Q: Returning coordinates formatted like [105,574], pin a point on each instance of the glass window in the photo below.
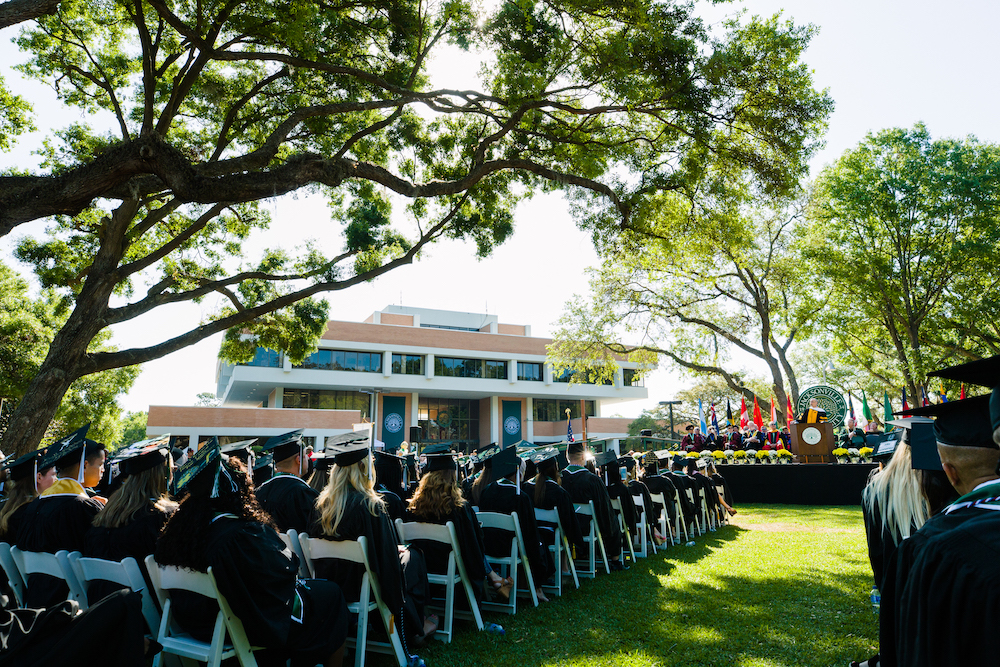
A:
[449,419]
[631,378]
[552,410]
[496,370]
[407,364]
[343,360]
[266,358]
[531,372]
[459,368]
[322,399]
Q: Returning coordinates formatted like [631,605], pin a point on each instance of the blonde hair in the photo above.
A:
[139,491]
[896,490]
[19,493]
[332,501]
[437,495]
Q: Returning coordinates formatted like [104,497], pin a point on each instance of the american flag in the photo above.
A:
[569,430]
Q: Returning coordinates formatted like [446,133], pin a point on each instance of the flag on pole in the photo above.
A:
[729,413]
[887,406]
[715,420]
[942,394]
[791,413]
[961,394]
[774,410]
[850,405]
[865,410]
[569,429]
[906,406]
[701,419]
[744,417]
[923,397]
[758,419]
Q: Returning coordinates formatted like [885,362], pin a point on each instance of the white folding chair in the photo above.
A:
[645,538]
[14,577]
[696,523]
[454,573]
[594,540]
[667,529]
[723,514]
[559,548]
[518,556]
[369,599]
[616,505]
[227,625]
[291,540]
[55,565]
[125,573]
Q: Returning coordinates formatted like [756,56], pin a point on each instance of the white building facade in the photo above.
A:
[419,375]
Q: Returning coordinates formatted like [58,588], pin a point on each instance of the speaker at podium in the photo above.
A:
[813,443]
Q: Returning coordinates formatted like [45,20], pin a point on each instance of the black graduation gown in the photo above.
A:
[707,488]
[637,488]
[719,479]
[554,497]
[584,486]
[502,497]
[950,604]
[662,484]
[617,490]
[258,577]
[51,523]
[394,504]
[136,539]
[683,482]
[470,541]
[289,501]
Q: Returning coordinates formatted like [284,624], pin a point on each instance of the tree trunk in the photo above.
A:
[36,409]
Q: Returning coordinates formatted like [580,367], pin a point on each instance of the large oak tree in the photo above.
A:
[219,104]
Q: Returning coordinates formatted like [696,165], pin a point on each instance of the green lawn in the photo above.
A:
[783,586]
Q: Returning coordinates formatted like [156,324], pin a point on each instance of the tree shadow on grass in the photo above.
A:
[666,611]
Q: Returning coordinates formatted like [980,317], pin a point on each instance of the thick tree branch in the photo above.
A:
[19,11]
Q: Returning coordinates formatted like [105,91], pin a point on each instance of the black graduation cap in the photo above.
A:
[542,454]
[206,460]
[348,438]
[504,462]
[628,462]
[605,458]
[284,446]
[983,372]
[349,453]
[484,454]
[143,455]
[964,423]
[60,451]
[22,467]
[918,433]
[439,457]
[265,461]
[243,450]
[883,444]
[575,448]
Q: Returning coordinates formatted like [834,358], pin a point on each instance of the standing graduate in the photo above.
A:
[584,486]
[349,508]
[61,515]
[287,497]
[547,494]
[504,496]
[219,524]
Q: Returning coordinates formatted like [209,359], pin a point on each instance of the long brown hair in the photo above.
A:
[332,501]
[437,495]
[19,493]
[139,492]
[547,469]
[485,479]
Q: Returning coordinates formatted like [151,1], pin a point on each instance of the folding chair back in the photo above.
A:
[666,528]
[560,548]
[369,598]
[125,573]
[55,565]
[13,574]
[696,526]
[643,536]
[723,514]
[454,574]
[616,505]
[227,625]
[518,556]
[594,541]
[291,540]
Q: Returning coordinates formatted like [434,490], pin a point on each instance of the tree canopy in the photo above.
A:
[215,106]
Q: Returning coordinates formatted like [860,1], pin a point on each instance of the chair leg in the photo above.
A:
[361,643]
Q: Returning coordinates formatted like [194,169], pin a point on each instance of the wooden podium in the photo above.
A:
[813,443]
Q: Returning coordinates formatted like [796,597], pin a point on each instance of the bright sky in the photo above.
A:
[887,64]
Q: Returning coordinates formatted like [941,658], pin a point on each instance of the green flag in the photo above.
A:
[865,410]
[888,413]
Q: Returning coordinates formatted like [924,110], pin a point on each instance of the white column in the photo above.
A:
[547,373]
[387,363]
[530,430]
[279,397]
[415,410]
[494,419]
[512,370]
[619,378]
[429,366]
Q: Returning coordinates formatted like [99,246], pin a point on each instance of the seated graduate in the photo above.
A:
[349,508]
[638,488]
[391,480]
[547,494]
[481,475]
[504,496]
[658,484]
[584,486]
[439,500]
[695,468]
[24,482]
[615,477]
[219,524]
[680,479]
[241,451]
[725,498]
[263,470]
[286,496]
[61,515]
[134,515]
[322,462]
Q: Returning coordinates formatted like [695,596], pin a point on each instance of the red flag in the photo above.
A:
[962,395]
[744,419]
[774,410]
[758,420]
[791,413]
[906,406]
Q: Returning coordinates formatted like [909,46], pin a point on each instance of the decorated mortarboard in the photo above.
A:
[701,463]
[243,450]
[649,459]
[964,423]
[60,451]
[265,461]
[504,462]
[484,454]
[627,462]
[348,438]
[349,453]
[439,457]
[284,446]
[22,467]
[883,444]
[206,461]
[983,372]
[918,433]
[143,455]
[606,458]
[663,454]
[542,454]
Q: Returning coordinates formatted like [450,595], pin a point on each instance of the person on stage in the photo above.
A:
[813,414]
[852,435]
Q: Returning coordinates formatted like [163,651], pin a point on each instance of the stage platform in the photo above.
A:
[798,483]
